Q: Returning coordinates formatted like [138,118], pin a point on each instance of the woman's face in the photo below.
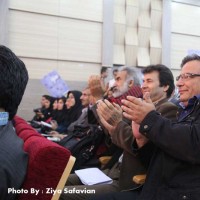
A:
[47,103]
[70,101]
[43,99]
[60,104]
[55,105]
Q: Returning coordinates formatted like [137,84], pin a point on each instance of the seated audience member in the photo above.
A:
[73,111]
[126,78]
[13,159]
[126,83]
[55,104]
[84,118]
[60,111]
[45,113]
[172,148]
[38,111]
[111,83]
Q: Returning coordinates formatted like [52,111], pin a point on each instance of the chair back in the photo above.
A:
[47,162]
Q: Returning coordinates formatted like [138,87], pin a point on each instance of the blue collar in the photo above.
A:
[4,118]
[191,101]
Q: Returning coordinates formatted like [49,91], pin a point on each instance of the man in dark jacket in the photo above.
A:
[172,149]
[13,159]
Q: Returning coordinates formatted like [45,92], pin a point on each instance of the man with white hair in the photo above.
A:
[127,82]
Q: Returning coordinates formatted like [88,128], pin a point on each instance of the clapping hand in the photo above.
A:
[110,114]
[136,109]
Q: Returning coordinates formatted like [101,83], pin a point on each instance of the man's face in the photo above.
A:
[85,97]
[191,86]
[151,84]
[121,85]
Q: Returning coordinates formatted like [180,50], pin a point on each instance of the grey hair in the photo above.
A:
[132,74]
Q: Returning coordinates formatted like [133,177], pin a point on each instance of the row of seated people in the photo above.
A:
[167,150]
[76,109]
[125,164]
[88,116]
[127,82]
[58,112]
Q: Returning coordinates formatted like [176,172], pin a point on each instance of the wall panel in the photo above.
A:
[38,6]
[82,9]
[185,18]
[38,68]
[180,47]
[79,40]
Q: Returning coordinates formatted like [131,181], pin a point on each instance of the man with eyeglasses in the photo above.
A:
[174,170]
[174,165]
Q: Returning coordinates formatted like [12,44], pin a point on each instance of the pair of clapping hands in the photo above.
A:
[134,109]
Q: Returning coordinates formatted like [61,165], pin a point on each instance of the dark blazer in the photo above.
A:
[123,137]
[174,170]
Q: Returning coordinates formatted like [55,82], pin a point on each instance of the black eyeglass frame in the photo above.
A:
[188,75]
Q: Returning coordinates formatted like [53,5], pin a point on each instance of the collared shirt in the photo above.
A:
[4,118]
[188,109]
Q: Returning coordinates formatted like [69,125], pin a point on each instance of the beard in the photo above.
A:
[118,91]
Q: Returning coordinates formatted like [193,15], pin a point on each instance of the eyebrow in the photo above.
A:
[148,79]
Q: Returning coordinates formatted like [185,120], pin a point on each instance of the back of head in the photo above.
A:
[13,81]
[165,76]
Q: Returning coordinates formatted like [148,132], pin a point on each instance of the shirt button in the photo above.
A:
[184,197]
[146,126]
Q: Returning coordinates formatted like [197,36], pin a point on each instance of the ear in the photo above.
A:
[165,88]
[131,83]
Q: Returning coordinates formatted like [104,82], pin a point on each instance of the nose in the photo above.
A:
[179,83]
[143,85]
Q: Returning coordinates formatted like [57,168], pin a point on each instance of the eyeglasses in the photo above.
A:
[186,76]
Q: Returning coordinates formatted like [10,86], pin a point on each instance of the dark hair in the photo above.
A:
[114,70]
[189,58]
[103,69]
[13,81]
[46,96]
[165,76]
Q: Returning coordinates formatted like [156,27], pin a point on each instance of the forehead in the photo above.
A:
[122,74]
[86,91]
[154,75]
[191,67]
[71,95]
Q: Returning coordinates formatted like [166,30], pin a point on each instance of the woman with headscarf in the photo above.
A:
[74,110]
[59,111]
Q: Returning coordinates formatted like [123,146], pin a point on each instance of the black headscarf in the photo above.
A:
[59,115]
[75,111]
